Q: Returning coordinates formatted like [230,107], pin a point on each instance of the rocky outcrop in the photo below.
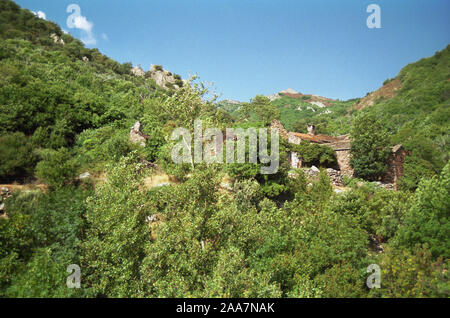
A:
[273,97]
[136,135]
[232,101]
[57,39]
[137,71]
[165,78]
[289,91]
[85,175]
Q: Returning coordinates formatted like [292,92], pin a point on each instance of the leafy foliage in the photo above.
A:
[369,147]
[279,235]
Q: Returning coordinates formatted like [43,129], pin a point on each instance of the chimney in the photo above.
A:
[311,129]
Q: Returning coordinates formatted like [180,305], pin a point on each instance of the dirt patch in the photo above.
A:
[22,187]
[158,179]
[387,91]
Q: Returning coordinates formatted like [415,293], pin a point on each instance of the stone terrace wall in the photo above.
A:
[343,158]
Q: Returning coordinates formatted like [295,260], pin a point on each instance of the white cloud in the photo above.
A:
[77,21]
[40,14]
[82,23]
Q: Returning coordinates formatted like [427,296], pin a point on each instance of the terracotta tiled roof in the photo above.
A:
[337,143]
[340,145]
[315,138]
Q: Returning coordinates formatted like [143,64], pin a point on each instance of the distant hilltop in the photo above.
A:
[312,99]
[231,101]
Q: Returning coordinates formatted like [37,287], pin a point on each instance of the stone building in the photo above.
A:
[395,163]
[340,144]
[341,147]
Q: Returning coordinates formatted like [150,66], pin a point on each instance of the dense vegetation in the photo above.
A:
[280,235]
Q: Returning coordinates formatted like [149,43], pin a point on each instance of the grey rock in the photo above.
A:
[57,39]
[136,136]
[85,175]
[273,97]
[137,71]
[164,78]
[289,91]
[226,186]
[152,218]
[164,184]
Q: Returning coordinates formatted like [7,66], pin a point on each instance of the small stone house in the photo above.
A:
[341,146]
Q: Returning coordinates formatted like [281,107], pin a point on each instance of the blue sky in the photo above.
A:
[250,47]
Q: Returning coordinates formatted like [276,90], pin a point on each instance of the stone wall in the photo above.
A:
[343,158]
[394,170]
[281,130]
[293,139]
[295,160]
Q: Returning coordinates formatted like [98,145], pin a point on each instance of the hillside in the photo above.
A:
[89,179]
[414,106]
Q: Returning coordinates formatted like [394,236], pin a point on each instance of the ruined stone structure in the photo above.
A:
[276,124]
[340,144]
[341,147]
[395,163]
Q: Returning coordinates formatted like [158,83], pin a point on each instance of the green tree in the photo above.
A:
[17,158]
[57,167]
[412,273]
[427,221]
[117,232]
[264,110]
[369,147]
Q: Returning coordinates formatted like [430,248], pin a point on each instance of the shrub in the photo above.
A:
[428,219]
[369,147]
[57,167]
[17,159]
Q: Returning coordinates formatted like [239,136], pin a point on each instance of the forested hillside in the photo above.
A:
[414,107]
[210,230]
